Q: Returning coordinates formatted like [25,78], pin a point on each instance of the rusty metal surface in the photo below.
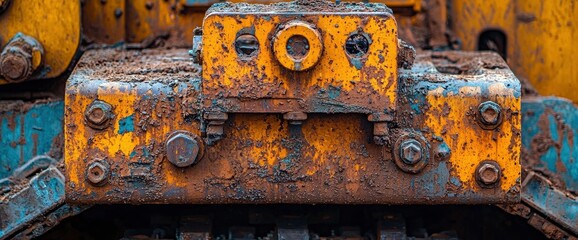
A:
[264,159]
[55,25]
[146,23]
[358,79]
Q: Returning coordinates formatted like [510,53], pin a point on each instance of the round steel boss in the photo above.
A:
[297,46]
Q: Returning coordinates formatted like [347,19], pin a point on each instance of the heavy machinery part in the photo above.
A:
[264,159]
[34,200]
[536,38]
[327,222]
[31,185]
[29,130]
[549,200]
[550,128]
[546,207]
[20,58]
[149,23]
[57,32]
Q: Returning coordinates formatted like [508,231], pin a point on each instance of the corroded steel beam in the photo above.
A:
[288,108]
[329,158]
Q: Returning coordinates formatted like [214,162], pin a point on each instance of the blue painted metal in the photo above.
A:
[198,3]
[540,193]
[31,186]
[550,138]
[44,192]
[28,130]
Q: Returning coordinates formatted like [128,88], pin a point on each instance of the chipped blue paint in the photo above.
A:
[45,191]
[433,182]
[28,133]
[550,201]
[333,92]
[456,181]
[126,125]
[552,123]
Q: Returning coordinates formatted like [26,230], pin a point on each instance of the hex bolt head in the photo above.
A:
[97,172]
[182,149]
[246,45]
[15,65]
[488,174]
[98,114]
[411,152]
[490,113]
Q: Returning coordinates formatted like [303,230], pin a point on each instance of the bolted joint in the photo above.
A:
[20,58]
[490,115]
[97,172]
[197,49]
[184,149]
[295,118]
[98,115]
[411,152]
[488,174]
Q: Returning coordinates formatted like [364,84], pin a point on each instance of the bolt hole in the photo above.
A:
[357,45]
[297,47]
[246,45]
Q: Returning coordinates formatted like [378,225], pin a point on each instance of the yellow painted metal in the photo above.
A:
[471,145]
[144,21]
[329,150]
[370,80]
[103,22]
[55,24]
[541,38]
[293,29]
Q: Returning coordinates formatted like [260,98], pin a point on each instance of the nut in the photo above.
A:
[15,65]
[490,113]
[488,173]
[98,114]
[183,149]
[411,152]
[97,172]
[20,58]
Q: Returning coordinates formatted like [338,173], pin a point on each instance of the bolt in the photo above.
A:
[149,5]
[182,149]
[197,45]
[357,45]
[246,45]
[297,47]
[97,172]
[98,114]
[15,65]
[295,118]
[490,113]
[118,13]
[488,173]
[20,58]
[411,152]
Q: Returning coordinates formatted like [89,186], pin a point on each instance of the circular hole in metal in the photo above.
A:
[297,47]
[246,45]
[357,45]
